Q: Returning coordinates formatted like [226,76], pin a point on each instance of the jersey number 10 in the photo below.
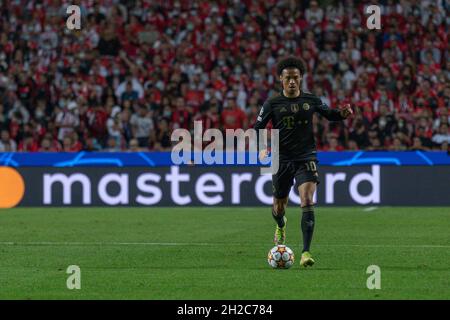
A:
[311,166]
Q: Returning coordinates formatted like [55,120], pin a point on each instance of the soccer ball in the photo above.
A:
[280,257]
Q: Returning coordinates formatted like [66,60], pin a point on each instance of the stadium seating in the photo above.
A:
[139,69]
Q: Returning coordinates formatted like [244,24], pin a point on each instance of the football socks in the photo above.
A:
[307,223]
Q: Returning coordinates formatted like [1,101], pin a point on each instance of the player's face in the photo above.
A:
[291,79]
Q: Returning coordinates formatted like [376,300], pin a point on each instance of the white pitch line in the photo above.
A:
[385,245]
[370,209]
[49,243]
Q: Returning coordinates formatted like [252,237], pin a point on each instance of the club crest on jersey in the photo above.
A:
[294,107]
[306,106]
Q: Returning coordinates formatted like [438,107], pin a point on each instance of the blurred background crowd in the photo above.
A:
[139,69]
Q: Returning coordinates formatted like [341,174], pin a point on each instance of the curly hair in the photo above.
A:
[291,62]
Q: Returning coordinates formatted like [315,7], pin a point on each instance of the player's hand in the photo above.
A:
[346,110]
[263,154]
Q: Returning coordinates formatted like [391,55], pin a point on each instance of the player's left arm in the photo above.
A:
[339,114]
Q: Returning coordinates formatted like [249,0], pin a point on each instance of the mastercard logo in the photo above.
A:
[12,187]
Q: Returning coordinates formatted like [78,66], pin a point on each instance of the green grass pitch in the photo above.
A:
[220,253]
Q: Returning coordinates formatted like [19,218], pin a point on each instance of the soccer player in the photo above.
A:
[292,113]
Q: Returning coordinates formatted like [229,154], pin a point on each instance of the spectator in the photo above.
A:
[114,125]
[109,43]
[136,86]
[46,146]
[374,140]
[397,145]
[67,144]
[19,112]
[425,141]
[28,144]
[91,144]
[333,144]
[54,144]
[129,93]
[359,133]
[66,121]
[142,126]
[352,145]
[232,116]
[125,125]
[6,143]
[97,117]
[417,145]
[163,142]
[134,145]
[76,144]
[443,135]
[180,117]
[112,145]
[444,118]
[3,118]
[314,14]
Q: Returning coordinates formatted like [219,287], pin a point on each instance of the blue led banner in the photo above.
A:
[158,159]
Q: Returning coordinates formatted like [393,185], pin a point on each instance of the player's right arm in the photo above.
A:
[264,116]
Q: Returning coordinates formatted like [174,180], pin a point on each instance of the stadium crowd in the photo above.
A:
[139,69]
